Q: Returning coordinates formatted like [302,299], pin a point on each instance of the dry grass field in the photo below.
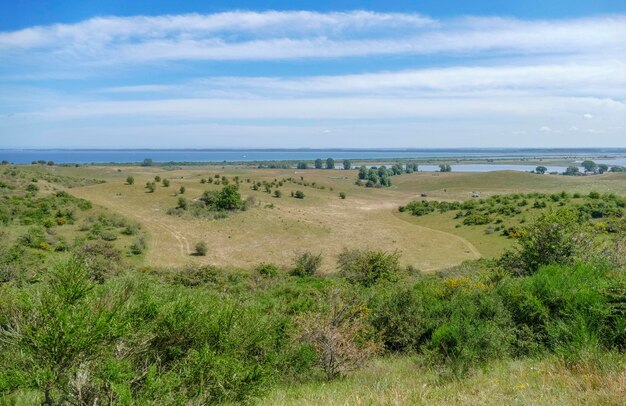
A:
[277,228]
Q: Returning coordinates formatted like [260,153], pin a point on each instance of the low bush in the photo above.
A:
[306,264]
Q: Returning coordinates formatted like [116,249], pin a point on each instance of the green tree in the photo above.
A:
[157,178]
[571,171]
[303,165]
[130,180]
[182,190]
[278,193]
[362,172]
[347,164]
[318,163]
[541,170]
[589,166]
[445,168]
[151,186]
[342,195]
[602,168]
[330,163]
[299,194]
[229,198]
[166,183]
[147,162]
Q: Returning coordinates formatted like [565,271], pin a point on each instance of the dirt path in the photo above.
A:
[183,243]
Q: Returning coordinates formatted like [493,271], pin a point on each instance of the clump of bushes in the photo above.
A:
[306,264]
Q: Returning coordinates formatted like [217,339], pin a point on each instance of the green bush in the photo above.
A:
[267,270]
[201,248]
[366,268]
[306,264]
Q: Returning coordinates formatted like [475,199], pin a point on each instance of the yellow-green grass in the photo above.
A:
[322,222]
[402,381]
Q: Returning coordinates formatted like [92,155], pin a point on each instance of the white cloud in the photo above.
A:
[279,35]
[588,116]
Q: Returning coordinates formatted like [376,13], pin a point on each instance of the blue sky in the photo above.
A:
[198,74]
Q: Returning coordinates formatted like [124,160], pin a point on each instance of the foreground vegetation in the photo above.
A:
[201,335]
[84,321]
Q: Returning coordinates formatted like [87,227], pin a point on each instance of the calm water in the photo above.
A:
[25,156]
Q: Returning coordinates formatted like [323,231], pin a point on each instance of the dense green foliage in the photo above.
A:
[212,203]
[516,209]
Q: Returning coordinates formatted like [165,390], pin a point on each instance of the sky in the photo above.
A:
[340,74]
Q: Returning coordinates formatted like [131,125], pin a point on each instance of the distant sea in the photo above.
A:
[100,156]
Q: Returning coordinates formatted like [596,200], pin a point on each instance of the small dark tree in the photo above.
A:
[342,195]
[347,164]
[602,168]
[151,186]
[182,203]
[182,190]
[362,172]
[571,171]
[541,170]
[445,168]
[299,194]
[201,249]
[130,180]
[166,183]
[278,193]
[318,163]
[157,178]
[330,163]
[147,162]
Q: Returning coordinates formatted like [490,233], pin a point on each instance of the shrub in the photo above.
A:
[201,248]
[166,183]
[138,246]
[100,259]
[366,268]
[267,270]
[342,195]
[555,237]
[299,194]
[182,190]
[130,180]
[306,264]
[338,336]
[278,193]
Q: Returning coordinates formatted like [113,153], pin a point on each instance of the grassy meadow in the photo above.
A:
[106,299]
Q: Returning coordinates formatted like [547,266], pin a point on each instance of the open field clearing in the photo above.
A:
[276,228]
